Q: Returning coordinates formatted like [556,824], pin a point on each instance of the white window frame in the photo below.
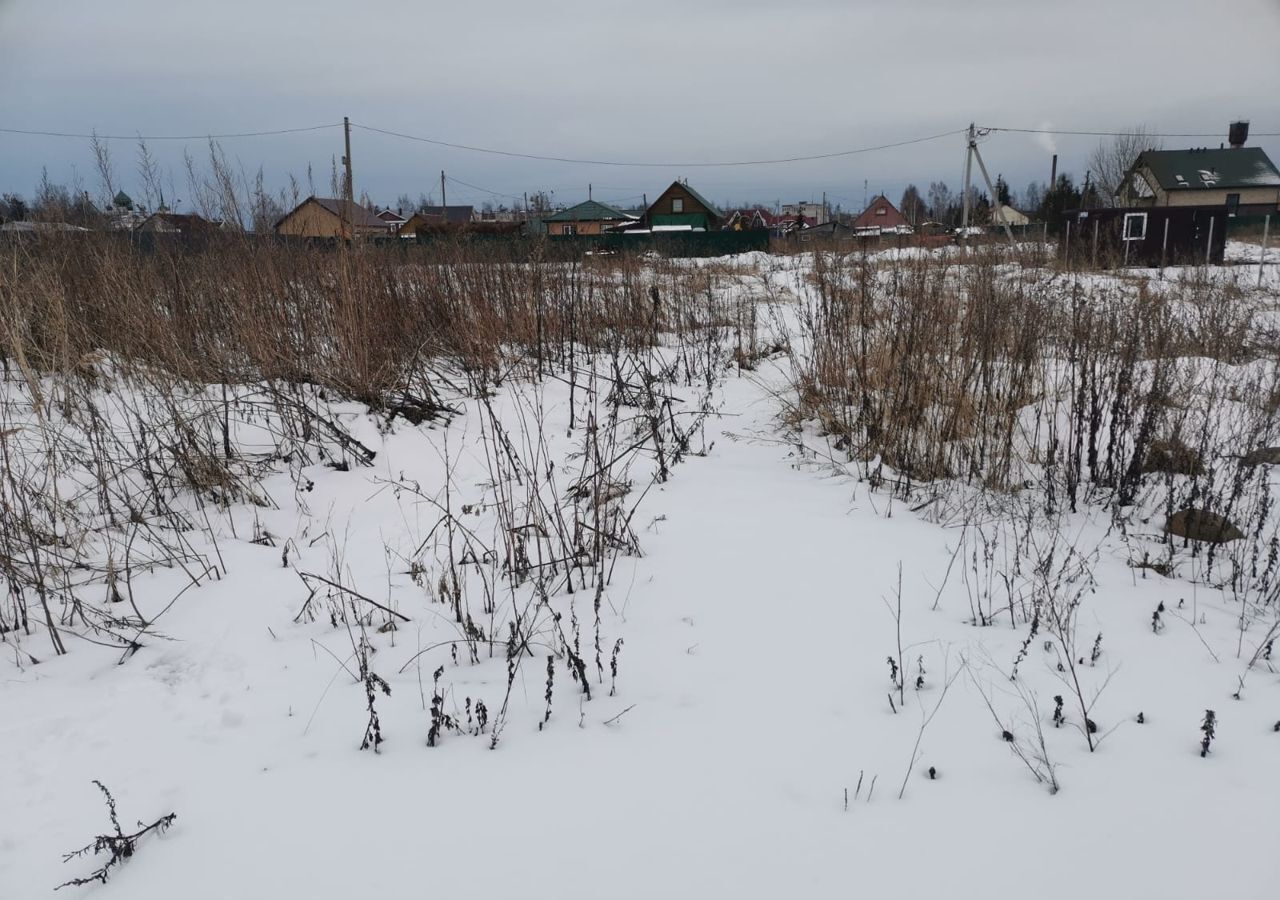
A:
[569,229]
[1125,232]
[677,205]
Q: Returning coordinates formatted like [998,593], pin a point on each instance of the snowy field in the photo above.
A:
[799,682]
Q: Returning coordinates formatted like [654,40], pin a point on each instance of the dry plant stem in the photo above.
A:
[926,718]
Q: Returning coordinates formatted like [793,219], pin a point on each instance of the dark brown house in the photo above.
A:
[681,208]
[1144,236]
[437,217]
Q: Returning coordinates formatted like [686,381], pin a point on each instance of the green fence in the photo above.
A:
[677,244]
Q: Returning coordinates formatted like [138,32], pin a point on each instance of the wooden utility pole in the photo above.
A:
[444,203]
[350,193]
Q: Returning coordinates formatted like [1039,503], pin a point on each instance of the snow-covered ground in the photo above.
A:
[754,745]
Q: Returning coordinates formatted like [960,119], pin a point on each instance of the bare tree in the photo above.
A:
[149,174]
[106,168]
[265,210]
[203,197]
[1112,158]
[912,205]
[52,201]
[940,200]
[1033,196]
[224,187]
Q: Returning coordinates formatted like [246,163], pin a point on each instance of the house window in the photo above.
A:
[677,204]
[881,211]
[568,229]
[1135,226]
[1233,204]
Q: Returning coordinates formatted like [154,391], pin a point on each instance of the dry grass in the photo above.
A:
[133,373]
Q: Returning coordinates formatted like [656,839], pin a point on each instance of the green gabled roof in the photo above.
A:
[715,210]
[588,211]
[1239,167]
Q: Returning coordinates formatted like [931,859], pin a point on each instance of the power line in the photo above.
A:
[1167,134]
[493,193]
[480,189]
[655,165]
[169,137]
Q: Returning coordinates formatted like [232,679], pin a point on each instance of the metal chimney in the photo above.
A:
[1237,134]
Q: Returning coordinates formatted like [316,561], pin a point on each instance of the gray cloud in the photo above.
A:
[655,80]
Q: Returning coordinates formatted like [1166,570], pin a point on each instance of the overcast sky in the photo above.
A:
[648,80]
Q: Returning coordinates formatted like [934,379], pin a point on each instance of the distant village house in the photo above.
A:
[437,218]
[883,215]
[681,208]
[588,217]
[324,217]
[750,218]
[392,217]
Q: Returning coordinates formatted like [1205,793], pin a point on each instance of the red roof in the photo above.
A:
[881,213]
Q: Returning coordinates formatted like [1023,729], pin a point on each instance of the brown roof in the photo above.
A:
[454,215]
[360,216]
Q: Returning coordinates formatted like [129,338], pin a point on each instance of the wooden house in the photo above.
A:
[681,208]
[393,218]
[588,217]
[324,217]
[436,218]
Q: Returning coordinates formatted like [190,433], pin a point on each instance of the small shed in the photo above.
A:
[1144,236]
[1007,215]
[827,231]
